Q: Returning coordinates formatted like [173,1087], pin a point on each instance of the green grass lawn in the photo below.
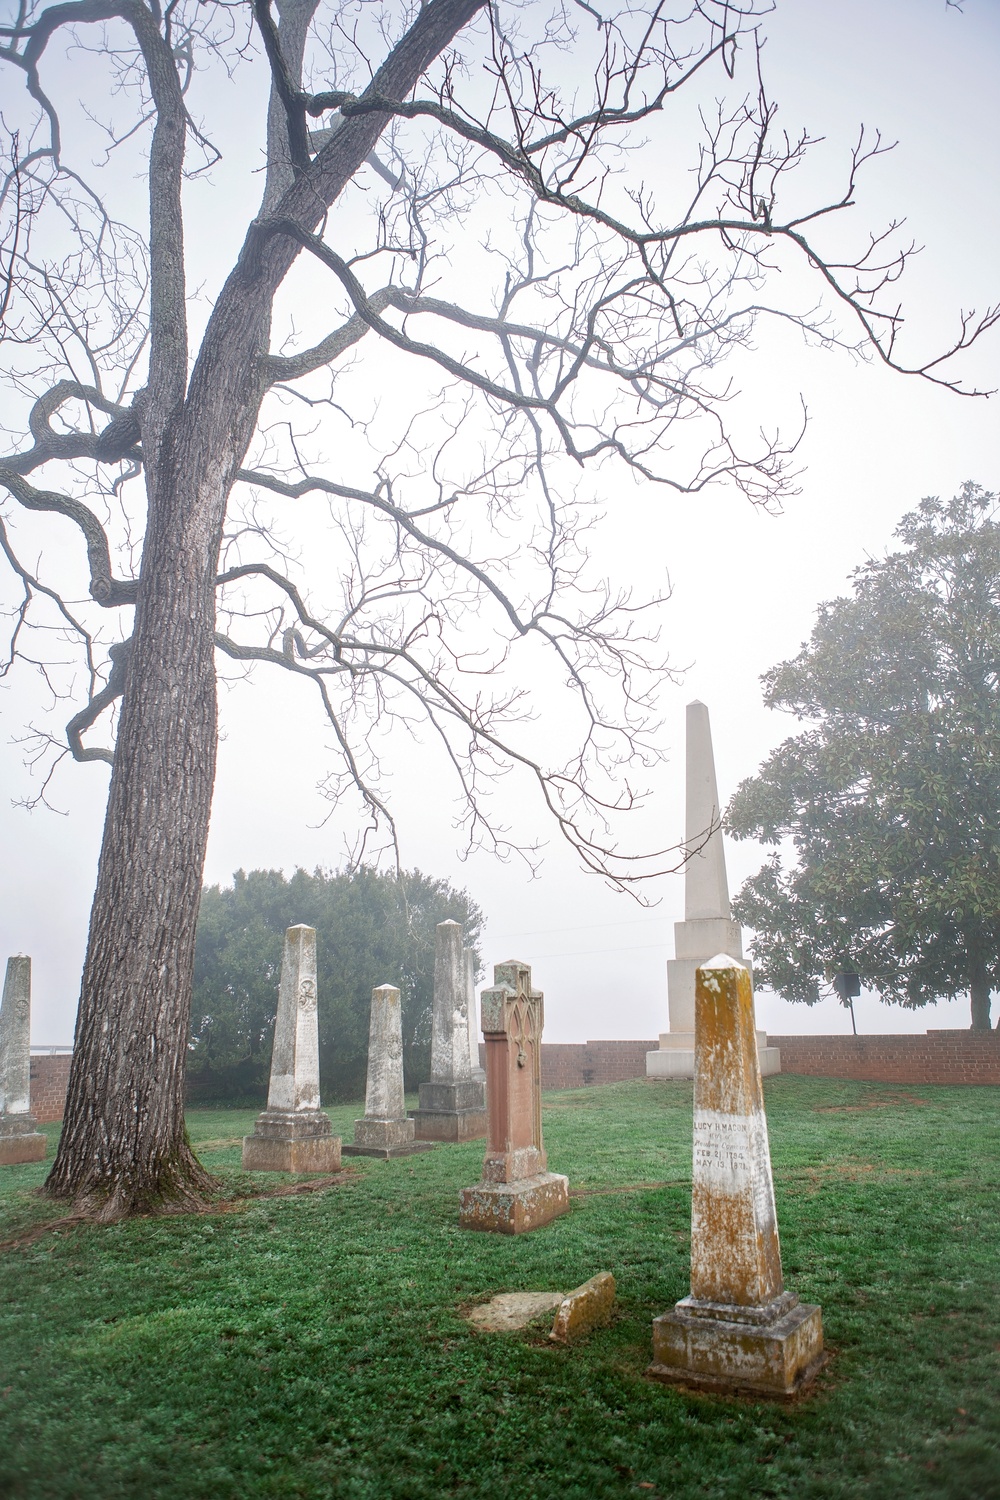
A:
[312,1345]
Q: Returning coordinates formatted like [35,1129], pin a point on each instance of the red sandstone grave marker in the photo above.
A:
[517,1192]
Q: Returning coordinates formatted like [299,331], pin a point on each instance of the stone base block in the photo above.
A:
[449,1124]
[514,1207]
[310,1154]
[383,1133]
[28,1145]
[737,1357]
[462,1094]
[670,1063]
[384,1139]
[770,1060]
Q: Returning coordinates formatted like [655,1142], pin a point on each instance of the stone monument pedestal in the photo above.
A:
[20,1140]
[286,1140]
[384,1139]
[451,1111]
[720,1349]
[674,1058]
[515,1207]
[516,1192]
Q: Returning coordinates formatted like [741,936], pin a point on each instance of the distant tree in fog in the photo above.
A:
[891,798]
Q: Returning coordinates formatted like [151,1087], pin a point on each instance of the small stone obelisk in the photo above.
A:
[385,1130]
[708,925]
[293,1134]
[739,1330]
[516,1192]
[20,1138]
[452,1105]
[478,1071]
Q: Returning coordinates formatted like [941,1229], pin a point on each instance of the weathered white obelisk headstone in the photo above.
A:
[293,1134]
[708,925]
[739,1330]
[385,1130]
[20,1138]
[452,1104]
[478,1071]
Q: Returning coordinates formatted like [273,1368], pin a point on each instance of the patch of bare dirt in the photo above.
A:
[875,1101]
[629,1187]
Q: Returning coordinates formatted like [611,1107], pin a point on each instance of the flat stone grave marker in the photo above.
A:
[577,1313]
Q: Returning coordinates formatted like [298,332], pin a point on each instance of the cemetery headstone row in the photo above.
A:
[738,1330]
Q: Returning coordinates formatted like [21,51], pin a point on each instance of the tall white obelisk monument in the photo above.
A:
[708,927]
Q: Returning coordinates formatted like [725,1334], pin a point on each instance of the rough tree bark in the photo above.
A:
[123,1148]
[979,987]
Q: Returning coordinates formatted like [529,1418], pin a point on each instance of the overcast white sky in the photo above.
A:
[745,584]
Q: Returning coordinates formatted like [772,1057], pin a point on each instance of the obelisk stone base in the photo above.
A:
[736,1351]
[20,1140]
[291,1141]
[451,1111]
[514,1207]
[384,1139]
[675,1056]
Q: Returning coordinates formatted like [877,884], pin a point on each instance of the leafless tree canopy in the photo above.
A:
[539,266]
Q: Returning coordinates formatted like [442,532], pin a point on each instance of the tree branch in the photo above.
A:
[104,587]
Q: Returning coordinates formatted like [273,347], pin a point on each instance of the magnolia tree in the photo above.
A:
[889,795]
[483,249]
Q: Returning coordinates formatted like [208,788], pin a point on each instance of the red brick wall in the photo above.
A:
[49,1080]
[933,1057]
[574,1065]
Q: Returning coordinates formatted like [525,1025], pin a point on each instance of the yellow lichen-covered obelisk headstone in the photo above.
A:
[739,1330]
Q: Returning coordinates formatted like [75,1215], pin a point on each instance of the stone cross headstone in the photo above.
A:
[293,1134]
[20,1138]
[708,925]
[738,1330]
[517,1192]
[385,1130]
[452,1104]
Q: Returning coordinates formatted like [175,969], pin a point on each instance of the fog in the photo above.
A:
[744,584]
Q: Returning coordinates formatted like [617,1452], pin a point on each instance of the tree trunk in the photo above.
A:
[979,988]
[123,1148]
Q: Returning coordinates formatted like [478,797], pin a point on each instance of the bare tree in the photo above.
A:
[494,198]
